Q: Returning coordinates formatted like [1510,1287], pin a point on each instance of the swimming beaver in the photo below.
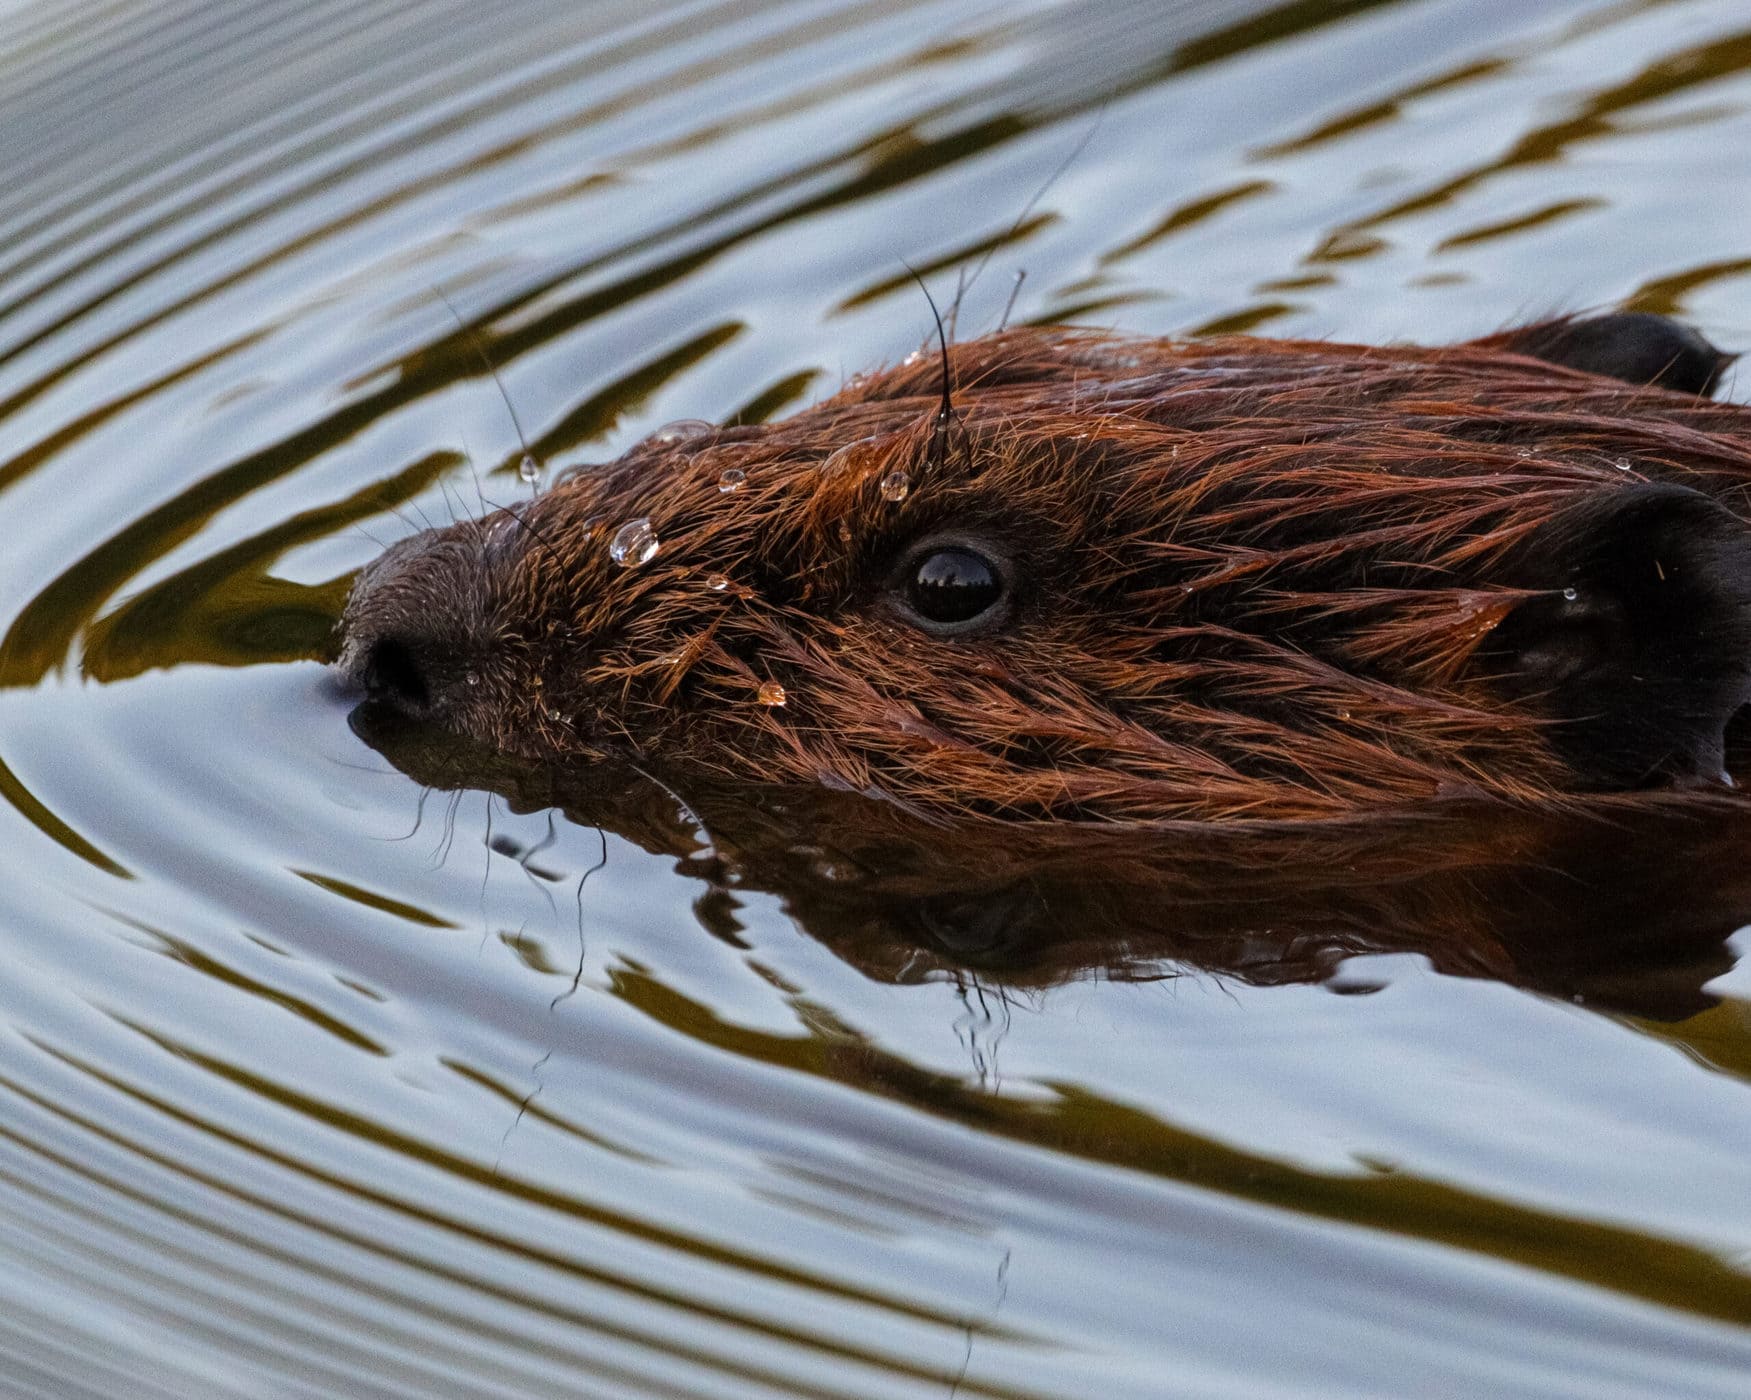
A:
[1129,579]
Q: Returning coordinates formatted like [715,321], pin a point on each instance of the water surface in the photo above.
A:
[318,1080]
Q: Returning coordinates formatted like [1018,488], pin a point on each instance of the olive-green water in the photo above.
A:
[317,1081]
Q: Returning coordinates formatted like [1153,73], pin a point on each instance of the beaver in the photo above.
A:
[1059,574]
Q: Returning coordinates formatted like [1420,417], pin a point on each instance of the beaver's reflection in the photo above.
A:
[1623,903]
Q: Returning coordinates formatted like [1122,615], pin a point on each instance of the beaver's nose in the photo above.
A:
[391,672]
[393,665]
[411,632]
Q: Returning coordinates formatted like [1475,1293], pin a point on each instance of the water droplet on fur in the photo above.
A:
[845,457]
[717,583]
[473,678]
[680,430]
[896,485]
[1343,714]
[732,480]
[1524,453]
[634,543]
[1570,594]
[1623,464]
[529,469]
[836,872]
[915,358]
[771,694]
[553,715]
[844,533]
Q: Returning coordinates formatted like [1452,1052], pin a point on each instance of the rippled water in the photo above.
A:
[318,1081]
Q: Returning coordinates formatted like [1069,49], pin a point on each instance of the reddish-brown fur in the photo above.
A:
[1253,579]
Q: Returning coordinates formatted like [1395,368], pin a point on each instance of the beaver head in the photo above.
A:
[1129,579]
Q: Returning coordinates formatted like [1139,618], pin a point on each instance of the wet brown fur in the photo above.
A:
[1256,579]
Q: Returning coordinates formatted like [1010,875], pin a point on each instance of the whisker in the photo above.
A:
[529,468]
[1014,292]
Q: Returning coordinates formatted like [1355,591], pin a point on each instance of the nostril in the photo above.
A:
[391,673]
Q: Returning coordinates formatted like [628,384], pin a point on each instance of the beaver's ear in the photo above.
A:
[1637,642]
[1633,346]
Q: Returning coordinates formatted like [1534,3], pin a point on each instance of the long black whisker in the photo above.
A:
[540,539]
[473,471]
[954,307]
[454,506]
[1039,194]
[529,468]
[1014,292]
[946,414]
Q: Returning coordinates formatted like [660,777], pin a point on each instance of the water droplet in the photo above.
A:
[732,480]
[1524,453]
[680,431]
[1343,714]
[835,872]
[1623,464]
[553,715]
[916,357]
[1570,594]
[634,543]
[717,583]
[473,678]
[844,533]
[846,457]
[771,694]
[896,485]
[529,469]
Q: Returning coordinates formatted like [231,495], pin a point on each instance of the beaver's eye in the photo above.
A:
[953,585]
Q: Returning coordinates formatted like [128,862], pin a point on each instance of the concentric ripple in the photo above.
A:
[315,1081]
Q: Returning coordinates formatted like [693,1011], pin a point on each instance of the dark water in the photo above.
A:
[314,1081]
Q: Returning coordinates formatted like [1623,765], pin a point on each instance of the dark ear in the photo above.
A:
[1633,346]
[1637,644]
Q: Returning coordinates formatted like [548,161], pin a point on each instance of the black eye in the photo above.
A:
[953,585]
